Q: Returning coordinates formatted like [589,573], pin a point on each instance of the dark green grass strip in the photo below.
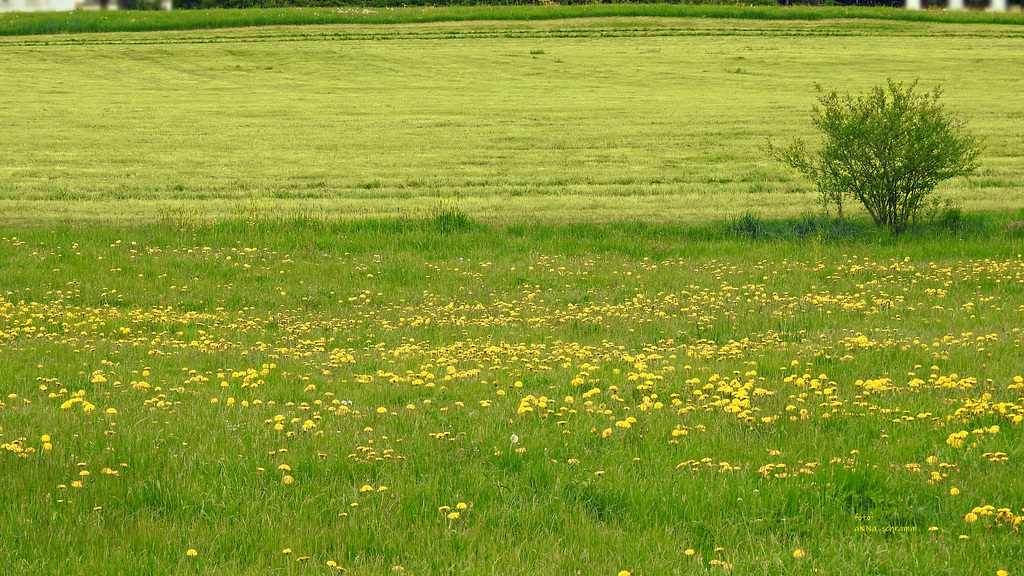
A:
[448,220]
[18,24]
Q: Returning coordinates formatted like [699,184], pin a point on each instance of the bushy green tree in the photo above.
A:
[887,148]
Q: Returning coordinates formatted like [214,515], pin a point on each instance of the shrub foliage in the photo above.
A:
[888,148]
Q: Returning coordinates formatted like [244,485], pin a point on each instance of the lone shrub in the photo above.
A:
[887,148]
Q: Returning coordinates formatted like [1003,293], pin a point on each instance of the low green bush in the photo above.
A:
[887,149]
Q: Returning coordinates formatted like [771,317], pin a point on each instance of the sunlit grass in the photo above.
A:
[598,398]
[647,119]
[497,298]
[80,21]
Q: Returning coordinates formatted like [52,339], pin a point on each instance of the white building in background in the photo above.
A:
[37,5]
[993,5]
[63,5]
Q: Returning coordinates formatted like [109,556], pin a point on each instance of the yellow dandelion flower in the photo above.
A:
[44,438]
[366,488]
[1002,573]
[623,573]
[798,553]
[192,552]
[286,551]
[284,468]
[954,491]
[111,411]
[453,516]
[382,410]
[970,517]
[461,506]
[690,552]
[287,479]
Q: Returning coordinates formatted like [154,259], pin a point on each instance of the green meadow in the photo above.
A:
[499,297]
[28,23]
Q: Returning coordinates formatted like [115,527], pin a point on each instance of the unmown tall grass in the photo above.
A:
[164,323]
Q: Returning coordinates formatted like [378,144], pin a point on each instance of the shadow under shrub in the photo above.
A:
[954,222]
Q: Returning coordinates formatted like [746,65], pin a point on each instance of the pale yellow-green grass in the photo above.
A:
[580,120]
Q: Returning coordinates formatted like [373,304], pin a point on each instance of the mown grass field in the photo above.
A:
[466,298]
[585,120]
